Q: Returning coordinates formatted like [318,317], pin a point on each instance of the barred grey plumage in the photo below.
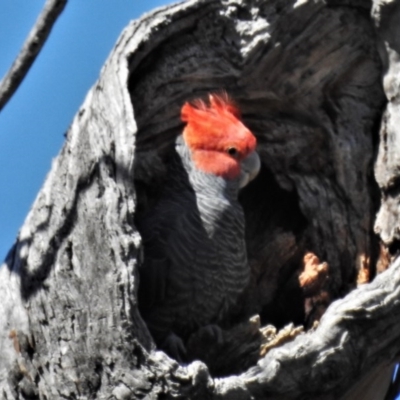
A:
[195,263]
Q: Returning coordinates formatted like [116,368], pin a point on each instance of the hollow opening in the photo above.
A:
[309,213]
[277,238]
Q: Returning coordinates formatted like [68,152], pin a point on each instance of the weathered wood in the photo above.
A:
[307,75]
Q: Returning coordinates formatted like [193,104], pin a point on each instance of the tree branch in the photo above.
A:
[31,48]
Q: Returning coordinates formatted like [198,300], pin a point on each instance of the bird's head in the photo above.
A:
[219,142]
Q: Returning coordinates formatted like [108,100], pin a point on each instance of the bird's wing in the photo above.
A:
[171,238]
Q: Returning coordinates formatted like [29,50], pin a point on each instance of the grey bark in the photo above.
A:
[36,39]
[308,77]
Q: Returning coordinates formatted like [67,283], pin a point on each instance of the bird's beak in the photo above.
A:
[250,167]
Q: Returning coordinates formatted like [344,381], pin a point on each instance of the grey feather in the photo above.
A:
[195,263]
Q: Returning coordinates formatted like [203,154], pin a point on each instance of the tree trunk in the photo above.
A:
[308,77]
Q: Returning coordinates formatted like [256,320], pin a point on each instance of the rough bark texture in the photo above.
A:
[308,77]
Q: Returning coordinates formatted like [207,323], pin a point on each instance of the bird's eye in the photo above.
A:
[232,151]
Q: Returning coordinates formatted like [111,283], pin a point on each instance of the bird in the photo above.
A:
[195,263]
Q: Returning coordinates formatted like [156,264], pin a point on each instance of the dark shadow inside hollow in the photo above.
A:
[276,242]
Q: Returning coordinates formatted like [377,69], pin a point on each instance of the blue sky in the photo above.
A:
[32,124]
